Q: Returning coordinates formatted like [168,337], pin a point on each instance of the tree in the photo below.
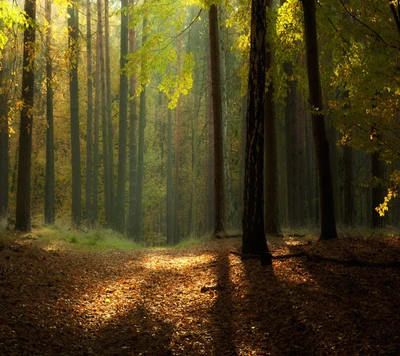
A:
[219,189]
[253,240]
[89,125]
[328,223]
[140,165]
[23,209]
[73,34]
[132,139]
[49,186]
[4,144]
[272,225]
[123,120]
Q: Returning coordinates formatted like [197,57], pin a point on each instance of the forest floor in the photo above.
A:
[200,300]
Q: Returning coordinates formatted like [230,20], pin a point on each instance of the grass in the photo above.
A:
[64,237]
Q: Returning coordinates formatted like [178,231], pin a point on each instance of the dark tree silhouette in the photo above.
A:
[327,217]
[23,210]
[253,241]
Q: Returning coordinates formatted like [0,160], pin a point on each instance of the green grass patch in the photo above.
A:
[65,237]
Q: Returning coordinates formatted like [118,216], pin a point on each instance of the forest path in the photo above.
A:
[199,300]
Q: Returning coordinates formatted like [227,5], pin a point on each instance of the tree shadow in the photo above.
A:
[222,312]
[355,308]
[273,321]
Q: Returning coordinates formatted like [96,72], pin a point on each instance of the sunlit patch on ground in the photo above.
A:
[198,301]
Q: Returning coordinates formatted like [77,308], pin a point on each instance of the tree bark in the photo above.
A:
[4,145]
[132,139]
[89,125]
[253,240]
[219,189]
[108,117]
[49,199]
[123,118]
[73,33]
[327,212]
[272,225]
[349,198]
[23,209]
[142,125]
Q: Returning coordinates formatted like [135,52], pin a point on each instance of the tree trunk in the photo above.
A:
[73,33]
[97,114]
[177,152]
[108,114]
[219,189]
[328,223]
[349,198]
[89,127]
[142,125]
[170,205]
[377,193]
[123,118]
[272,225]
[4,145]
[49,200]
[132,140]
[253,241]
[23,209]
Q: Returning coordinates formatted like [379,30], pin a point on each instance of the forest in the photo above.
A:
[223,183]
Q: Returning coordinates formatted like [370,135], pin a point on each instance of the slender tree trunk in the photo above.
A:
[123,118]
[23,209]
[349,199]
[89,127]
[219,189]
[142,125]
[210,163]
[96,129]
[110,134]
[328,223]
[291,144]
[4,145]
[170,205]
[377,193]
[177,152]
[73,33]
[272,225]
[49,199]
[132,140]
[224,100]
[253,240]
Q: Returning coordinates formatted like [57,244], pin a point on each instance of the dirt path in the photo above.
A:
[151,302]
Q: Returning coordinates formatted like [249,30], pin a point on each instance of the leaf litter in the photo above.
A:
[200,300]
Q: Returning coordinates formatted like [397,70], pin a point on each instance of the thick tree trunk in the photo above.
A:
[219,189]
[23,209]
[73,33]
[4,145]
[89,125]
[253,241]
[49,199]
[272,225]
[123,118]
[328,223]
